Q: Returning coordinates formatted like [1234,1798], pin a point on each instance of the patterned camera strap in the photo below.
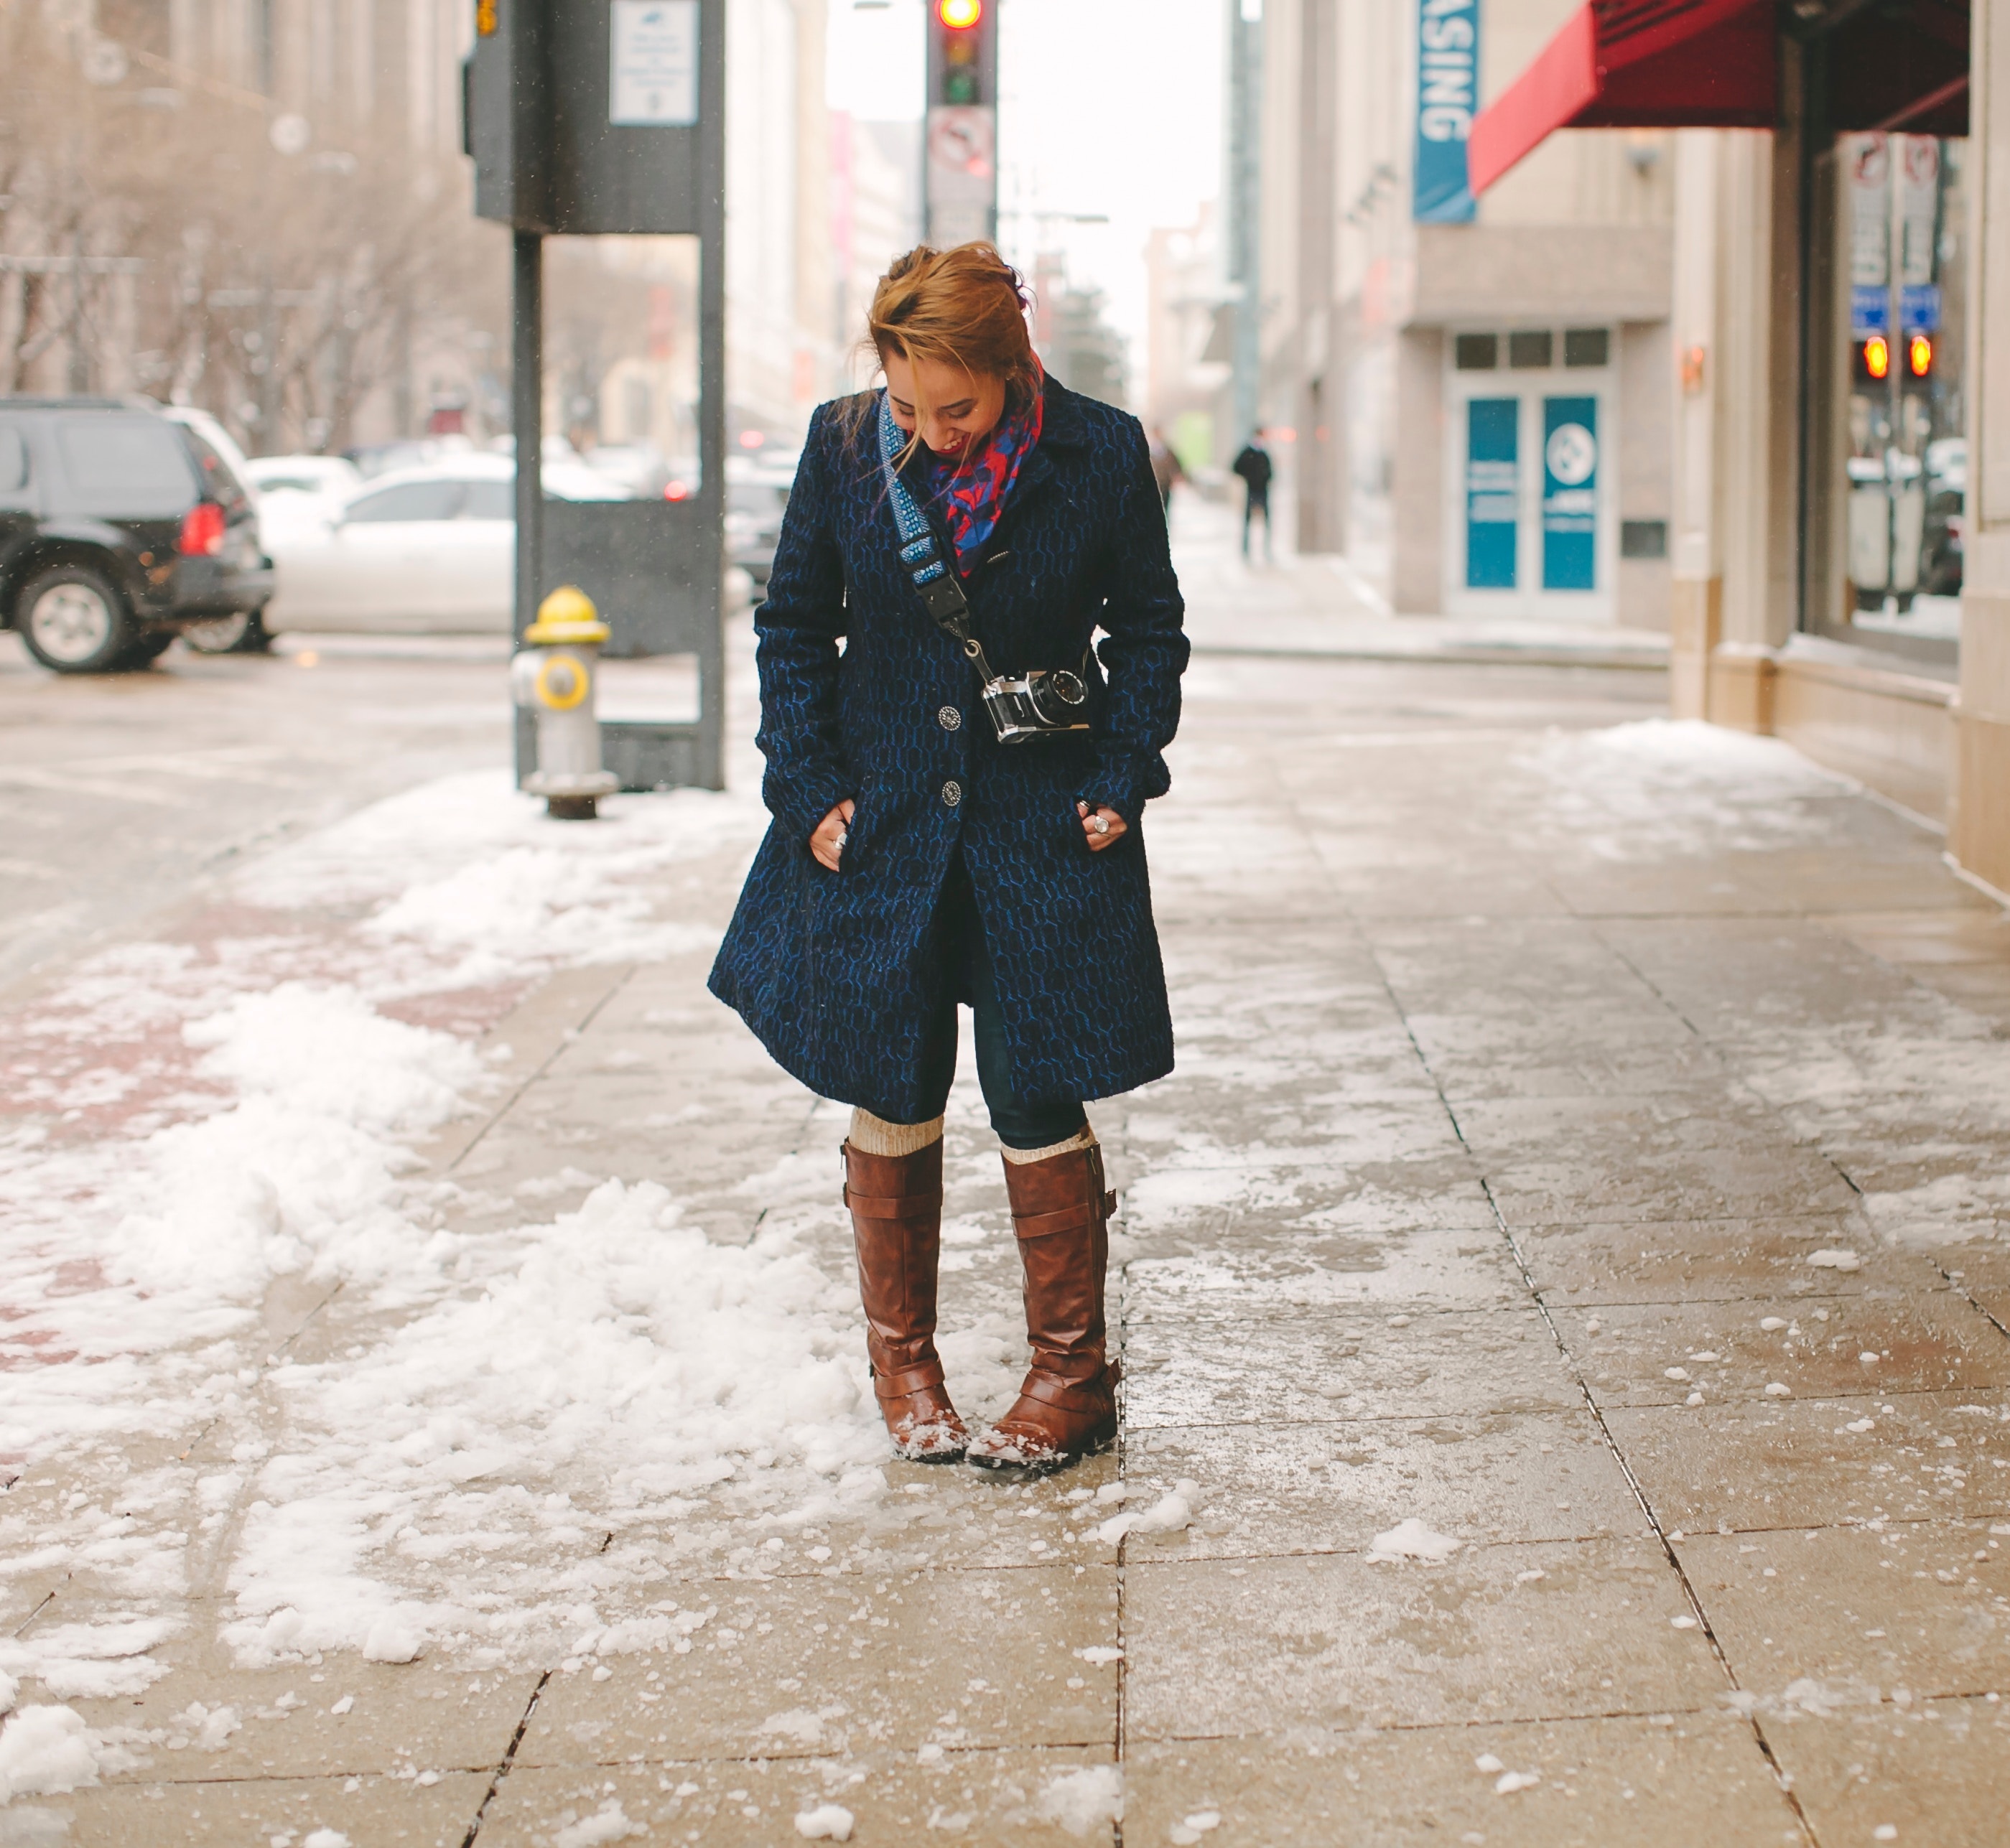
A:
[941,595]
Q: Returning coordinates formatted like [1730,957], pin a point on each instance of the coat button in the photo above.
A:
[950,719]
[951,793]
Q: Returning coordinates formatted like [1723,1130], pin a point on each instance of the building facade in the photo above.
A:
[1475,392]
[1775,237]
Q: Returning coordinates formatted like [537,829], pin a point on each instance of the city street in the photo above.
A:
[1564,1293]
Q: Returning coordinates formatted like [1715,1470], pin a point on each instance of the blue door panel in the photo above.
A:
[1492,495]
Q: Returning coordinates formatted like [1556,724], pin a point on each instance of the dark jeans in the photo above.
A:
[1255,504]
[960,939]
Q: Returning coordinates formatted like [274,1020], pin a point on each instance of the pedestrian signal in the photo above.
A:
[1876,356]
[1920,355]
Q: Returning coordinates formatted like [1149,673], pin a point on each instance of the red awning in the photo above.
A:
[1636,64]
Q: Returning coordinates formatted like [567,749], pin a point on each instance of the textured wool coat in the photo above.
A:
[841,974]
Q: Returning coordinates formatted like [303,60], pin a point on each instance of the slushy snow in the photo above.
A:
[1410,1539]
[1079,1801]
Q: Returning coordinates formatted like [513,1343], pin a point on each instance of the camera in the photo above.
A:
[1037,704]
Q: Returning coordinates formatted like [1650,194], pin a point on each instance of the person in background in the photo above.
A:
[1166,470]
[1253,464]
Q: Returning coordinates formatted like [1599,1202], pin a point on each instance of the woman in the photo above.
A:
[916,861]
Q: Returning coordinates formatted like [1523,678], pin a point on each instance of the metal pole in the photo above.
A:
[527,414]
[710,769]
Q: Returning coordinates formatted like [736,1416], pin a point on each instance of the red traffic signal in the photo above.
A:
[959,16]
[1920,355]
[1877,356]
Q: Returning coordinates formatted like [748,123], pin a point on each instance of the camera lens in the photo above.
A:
[1068,688]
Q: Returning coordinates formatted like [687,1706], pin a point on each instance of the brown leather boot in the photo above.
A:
[895,1202]
[1066,1406]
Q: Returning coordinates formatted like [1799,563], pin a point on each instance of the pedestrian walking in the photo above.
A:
[1166,470]
[1253,464]
[957,796]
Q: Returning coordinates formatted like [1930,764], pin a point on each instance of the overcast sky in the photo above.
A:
[1107,107]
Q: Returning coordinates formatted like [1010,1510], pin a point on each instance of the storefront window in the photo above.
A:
[1901,436]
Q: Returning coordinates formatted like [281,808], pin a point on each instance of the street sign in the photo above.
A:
[653,75]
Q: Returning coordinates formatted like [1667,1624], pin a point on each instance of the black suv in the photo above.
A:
[120,527]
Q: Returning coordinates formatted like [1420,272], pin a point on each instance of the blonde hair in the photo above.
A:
[965,306]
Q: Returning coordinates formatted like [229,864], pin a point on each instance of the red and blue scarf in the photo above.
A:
[971,494]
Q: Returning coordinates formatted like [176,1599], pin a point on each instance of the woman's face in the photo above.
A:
[963,407]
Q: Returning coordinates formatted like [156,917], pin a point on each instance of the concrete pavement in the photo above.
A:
[1568,1267]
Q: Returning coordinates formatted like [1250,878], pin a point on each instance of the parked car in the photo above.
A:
[757,495]
[121,527]
[1947,501]
[428,550]
[299,492]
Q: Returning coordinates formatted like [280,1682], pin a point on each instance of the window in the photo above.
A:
[1531,350]
[409,500]
[219,484]
[490,500]
[1476,352]
[1587,346]
[128,468]
[13,466]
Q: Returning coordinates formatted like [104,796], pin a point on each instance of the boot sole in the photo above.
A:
[1045,1466]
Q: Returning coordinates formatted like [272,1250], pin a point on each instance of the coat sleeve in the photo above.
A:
[797,626]
[1145,651]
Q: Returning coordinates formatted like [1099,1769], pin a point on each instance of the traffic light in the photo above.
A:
[962,63]
[1875,355]
[962,176]
[1920,355]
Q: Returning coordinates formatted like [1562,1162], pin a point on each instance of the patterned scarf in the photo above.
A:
[971,493]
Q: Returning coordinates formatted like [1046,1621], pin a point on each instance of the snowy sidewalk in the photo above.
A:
[1562,1295]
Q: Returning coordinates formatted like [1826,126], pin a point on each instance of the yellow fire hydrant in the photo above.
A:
[552,675]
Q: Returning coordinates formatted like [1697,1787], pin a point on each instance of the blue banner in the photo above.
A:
[1493,492]
[1570,494]
[1447,99]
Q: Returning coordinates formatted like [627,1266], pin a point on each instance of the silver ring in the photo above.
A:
[844,835]
[1101,824]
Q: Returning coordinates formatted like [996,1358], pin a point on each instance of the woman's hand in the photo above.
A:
[1104,828]
[828,843]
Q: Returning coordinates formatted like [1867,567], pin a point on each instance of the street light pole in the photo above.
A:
[527,414]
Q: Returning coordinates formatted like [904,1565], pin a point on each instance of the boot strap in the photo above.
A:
[1052,1388]
[870,1206]
[908,1380]
[1048,1225]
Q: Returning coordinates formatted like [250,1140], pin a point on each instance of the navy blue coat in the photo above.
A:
[839,973]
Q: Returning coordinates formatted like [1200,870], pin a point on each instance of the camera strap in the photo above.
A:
[921,556]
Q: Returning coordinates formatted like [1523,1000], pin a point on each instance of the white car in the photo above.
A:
[419,550]
[297,493]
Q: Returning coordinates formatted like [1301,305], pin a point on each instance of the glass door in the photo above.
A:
[1530,530]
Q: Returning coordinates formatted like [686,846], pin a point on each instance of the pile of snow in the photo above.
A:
[1172,1512]
[1410,1539]
[1658,788]
[1079,1801]
[827,1822]
[616,1350]
[48,1751]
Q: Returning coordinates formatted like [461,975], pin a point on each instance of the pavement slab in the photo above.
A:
[1661,1780]
[1839,1617]
[1341,1640]
[1289,1488]
[1757,1463]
